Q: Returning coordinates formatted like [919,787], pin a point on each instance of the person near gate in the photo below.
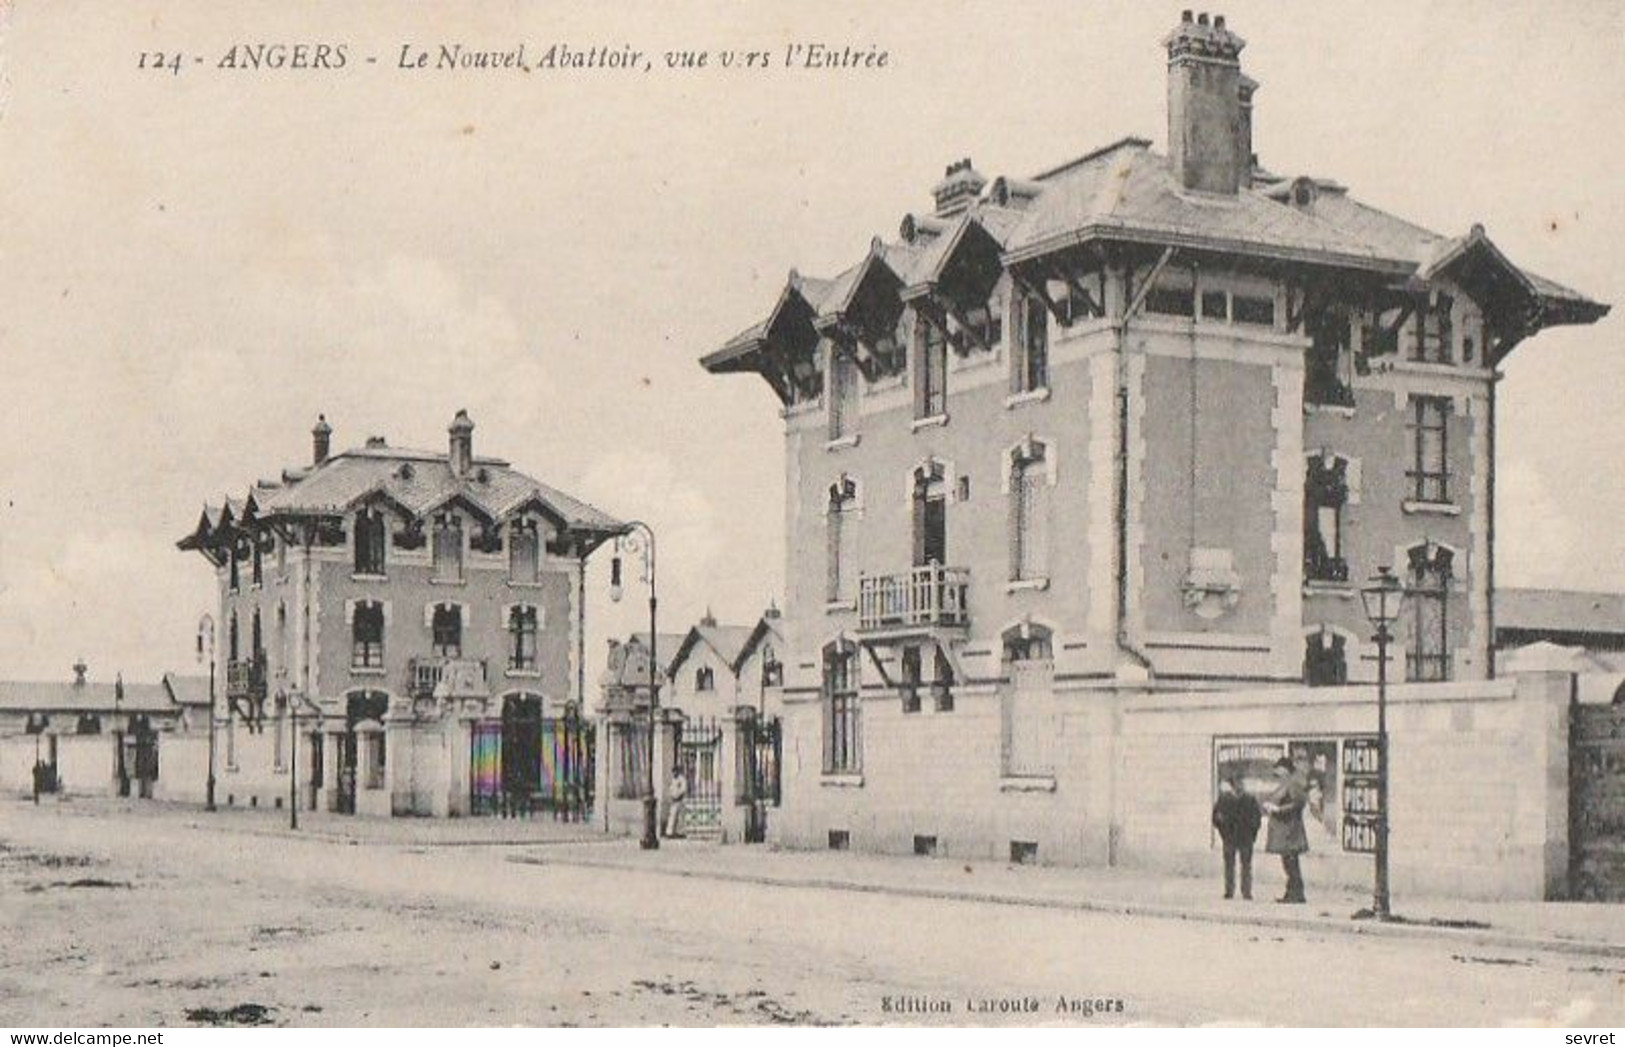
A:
[1286,835]
[676,797]
[1236,815]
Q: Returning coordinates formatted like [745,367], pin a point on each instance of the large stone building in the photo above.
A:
[1139,423]
[419,615]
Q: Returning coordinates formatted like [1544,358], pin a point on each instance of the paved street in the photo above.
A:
[147,918]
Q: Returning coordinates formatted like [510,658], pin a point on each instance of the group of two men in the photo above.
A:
[1237,815]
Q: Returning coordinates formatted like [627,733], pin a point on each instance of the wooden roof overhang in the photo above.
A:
[968,270]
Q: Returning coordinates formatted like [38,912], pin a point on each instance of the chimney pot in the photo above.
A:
[461,457]
[79,670]
[321,439]
[1218,21]
[1201,19]
[1186,15]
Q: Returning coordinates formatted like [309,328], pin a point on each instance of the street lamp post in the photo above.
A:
[205,650]
[640,538]
[37,763]
[1383,597]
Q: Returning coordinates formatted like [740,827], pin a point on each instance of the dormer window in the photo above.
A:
[845,392]
[259,559]
[371,535]
[1329,367]
[705,679]
[1029,364]
[1435,332]
[524,552]
[930,372]
[448,548]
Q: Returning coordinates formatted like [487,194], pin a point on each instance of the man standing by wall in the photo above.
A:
[1286,834]
[1236,815]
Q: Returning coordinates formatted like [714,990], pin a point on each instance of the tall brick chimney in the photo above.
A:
[960,186]
[1209,106]
[321,438]
[462,444]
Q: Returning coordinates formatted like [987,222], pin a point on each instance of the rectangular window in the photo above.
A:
[448,549]
[1247,309]
[522,639]
[524,552]
[1435,333]
[1215,305]
[367,636]
[1030,368]
[371,533]
[840,580]
[842,730]
[845,392]
[931,372]
[1428,477]
[448,631]
[259,560]
[1171,301]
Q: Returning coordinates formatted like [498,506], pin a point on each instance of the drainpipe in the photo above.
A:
[1131,306]
[1489,526]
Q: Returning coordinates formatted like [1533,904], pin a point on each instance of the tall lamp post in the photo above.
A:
[640,539]
[205,652]
[1384,598]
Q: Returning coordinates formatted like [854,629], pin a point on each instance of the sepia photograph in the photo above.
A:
[1042,513]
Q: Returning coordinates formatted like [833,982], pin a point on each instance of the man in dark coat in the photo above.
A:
[1286,835]
[1236,815]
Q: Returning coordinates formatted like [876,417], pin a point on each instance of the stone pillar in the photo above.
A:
[459,751]
[1102,816]
[330,767]
[1545,675]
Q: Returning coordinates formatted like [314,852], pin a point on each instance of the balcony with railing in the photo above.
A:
[245,678]
[919,600]
[423,675]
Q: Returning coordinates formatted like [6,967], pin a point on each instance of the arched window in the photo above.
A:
[1325,492]
[930,514]
[840,577]
[447,630]
[367,634]
[371,535]
[705,679]
[1029,511]
[522,638]
[257,650]
[1427,650]
[1325,661]
[843,748]
[233,646]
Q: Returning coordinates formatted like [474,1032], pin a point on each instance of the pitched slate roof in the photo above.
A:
[416,481]
[1127,192]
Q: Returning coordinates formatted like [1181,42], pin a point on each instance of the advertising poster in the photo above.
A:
[1317,758]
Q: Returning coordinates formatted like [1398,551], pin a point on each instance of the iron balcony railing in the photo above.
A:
[921,597]
[245,678]
[423,675]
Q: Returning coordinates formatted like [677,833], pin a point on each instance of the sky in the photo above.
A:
[196,264]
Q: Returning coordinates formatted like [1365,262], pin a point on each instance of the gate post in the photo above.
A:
[1545,677]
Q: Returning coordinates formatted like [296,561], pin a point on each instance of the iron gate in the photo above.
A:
[699,754]
[761,747]
[1597,803]
[526,764]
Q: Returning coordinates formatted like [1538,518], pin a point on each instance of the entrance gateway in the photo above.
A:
[525,762]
